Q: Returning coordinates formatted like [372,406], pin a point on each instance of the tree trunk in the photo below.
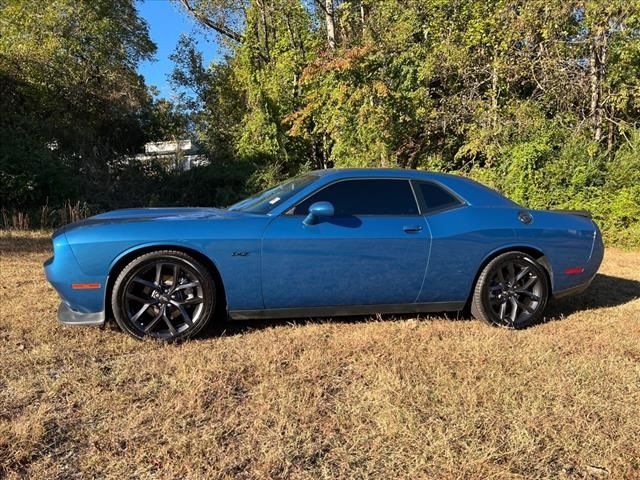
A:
[331,24]
[610,137]
[265,28]
[494,96]
[597,63]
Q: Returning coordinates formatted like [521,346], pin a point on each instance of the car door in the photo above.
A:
[373,251]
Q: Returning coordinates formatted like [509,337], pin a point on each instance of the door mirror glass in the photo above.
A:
[318,210]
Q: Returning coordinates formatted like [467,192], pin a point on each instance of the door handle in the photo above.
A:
[412,228]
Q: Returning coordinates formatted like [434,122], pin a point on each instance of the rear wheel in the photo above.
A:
[163,294]
[512,291]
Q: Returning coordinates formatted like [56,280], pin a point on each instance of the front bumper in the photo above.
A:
[68,316]
[79,306]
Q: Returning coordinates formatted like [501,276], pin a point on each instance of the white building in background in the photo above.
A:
[177,155]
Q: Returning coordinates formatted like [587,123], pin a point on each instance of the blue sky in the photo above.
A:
[166,22]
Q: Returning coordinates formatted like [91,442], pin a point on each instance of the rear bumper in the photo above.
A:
[590,270]
[68,316]
[575,290]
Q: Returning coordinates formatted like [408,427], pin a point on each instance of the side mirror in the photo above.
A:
[318,210]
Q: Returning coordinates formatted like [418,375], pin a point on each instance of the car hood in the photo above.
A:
[164,213]
[153,214]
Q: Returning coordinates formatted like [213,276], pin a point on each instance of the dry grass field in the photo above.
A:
[358,398]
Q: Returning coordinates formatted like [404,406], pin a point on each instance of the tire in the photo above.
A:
[512,291]
[165,294]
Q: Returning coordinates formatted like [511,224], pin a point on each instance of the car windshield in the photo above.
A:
[267,200]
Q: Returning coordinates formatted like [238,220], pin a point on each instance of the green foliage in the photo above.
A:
[70,97]
[151,185]
[540,99]
[621,210]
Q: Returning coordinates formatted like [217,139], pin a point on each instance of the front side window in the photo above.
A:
[435,197]
[364,197]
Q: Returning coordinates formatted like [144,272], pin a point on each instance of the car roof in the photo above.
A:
[473,192]
[367,172]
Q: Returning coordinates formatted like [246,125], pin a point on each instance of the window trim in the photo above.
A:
[289,211]
[432,211]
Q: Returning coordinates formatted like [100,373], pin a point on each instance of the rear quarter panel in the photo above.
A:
[567,241]
[464,239]
[461,240]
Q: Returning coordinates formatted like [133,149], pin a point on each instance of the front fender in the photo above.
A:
[128,255]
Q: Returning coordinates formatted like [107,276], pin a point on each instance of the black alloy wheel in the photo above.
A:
[163,294]
[512,291]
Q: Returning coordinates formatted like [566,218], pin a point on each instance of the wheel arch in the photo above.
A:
[121,261]
[536,253]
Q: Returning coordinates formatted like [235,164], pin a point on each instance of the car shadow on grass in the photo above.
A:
[605,291]
[236,327]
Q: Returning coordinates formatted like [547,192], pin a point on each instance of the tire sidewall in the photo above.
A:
[480,305]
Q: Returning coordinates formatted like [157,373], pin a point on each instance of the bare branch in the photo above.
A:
[219,27]
[320,3]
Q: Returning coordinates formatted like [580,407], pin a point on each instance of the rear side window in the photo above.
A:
[365,197]
[435,197]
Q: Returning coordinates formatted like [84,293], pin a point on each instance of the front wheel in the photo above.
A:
[163,294]
[512,291]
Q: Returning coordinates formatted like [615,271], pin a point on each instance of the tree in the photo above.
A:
[71,96]
[257,85]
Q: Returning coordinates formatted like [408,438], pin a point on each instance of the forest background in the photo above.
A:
[539,99]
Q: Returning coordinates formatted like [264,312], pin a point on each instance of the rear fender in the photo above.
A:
[567,239]
[527,248]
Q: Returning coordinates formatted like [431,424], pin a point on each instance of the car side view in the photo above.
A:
[326,243]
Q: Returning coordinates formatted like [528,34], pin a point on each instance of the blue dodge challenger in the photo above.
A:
[331,242]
